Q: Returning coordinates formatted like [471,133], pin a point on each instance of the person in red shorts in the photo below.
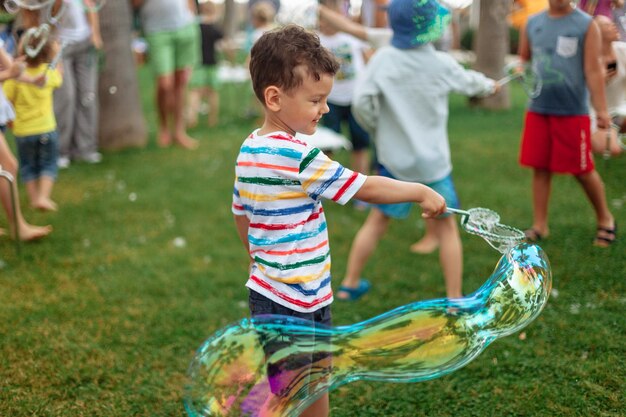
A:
[564,45]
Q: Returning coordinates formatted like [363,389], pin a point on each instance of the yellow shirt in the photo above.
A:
[34,113]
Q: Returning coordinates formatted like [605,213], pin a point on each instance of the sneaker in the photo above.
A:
[93,158]
[63,162]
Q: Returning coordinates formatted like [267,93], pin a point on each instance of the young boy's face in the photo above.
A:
[302,108]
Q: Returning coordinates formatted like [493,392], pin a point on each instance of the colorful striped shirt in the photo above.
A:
[280,181]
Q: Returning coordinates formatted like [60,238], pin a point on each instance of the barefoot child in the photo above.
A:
[34,127]
[279,186]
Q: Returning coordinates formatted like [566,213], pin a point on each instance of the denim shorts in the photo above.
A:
[293,369]
[38,155]
[445,187]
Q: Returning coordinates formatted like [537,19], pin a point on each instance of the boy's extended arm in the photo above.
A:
[383,190]
[242,224]
[594,74]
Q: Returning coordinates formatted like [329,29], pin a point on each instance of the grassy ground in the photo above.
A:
[103,317]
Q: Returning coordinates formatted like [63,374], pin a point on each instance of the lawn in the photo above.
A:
[103,317]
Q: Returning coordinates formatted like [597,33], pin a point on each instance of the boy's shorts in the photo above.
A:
[445,187]
[38,155]
[173,50]
[282,375]
[557,143]
[338,113]
[204,76]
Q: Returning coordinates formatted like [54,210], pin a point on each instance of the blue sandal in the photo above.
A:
[355,293]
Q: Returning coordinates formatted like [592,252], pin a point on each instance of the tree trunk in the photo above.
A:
[230,18]
[122,124]
[492,46]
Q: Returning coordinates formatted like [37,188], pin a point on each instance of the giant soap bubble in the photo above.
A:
[277,366]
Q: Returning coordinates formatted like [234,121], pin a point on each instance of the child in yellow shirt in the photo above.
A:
[35,126]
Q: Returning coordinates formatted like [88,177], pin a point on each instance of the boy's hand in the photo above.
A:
[433,204]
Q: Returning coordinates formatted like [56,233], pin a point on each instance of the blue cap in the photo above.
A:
[416,22]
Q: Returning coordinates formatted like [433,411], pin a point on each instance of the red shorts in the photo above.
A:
[557,143]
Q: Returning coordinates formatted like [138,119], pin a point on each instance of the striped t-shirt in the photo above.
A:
[280,181]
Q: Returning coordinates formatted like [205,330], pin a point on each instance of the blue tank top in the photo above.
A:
[557,46]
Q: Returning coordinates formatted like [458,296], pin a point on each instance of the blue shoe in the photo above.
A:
[356,293]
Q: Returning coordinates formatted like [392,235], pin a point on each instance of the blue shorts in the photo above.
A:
[445,187]
[38,155]
[358,136]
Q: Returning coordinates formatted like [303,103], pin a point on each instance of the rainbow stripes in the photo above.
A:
[279,187]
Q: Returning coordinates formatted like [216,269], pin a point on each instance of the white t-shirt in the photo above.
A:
[349,52]
[73,25]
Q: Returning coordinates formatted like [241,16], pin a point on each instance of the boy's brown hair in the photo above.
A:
[276,56]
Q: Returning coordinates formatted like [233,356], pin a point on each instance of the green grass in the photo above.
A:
[103,317]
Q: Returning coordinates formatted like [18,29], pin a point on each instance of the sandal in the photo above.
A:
[533,235]
[355,293]
[605,236]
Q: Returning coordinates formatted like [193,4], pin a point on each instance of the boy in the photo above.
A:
[402,99]
[556,138]
[280,181]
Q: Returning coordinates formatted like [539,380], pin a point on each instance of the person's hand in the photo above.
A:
[40,80]
[97,41]
[17,67]
[603,120]
[433,204]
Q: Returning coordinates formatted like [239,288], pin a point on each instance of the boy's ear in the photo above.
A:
[272,98]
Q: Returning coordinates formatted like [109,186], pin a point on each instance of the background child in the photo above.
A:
[204,81]
[34,127]
[556,139]
[281,180]
[8,163]
[402,99]
[349,52]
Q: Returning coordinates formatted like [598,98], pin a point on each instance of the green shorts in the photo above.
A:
[173,50]
[204,76]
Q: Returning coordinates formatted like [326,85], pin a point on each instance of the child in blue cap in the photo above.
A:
[402,100]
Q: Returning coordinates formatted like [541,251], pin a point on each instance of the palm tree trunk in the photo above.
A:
[122,123]
[492,46]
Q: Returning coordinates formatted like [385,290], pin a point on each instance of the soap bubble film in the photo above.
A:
[277,366]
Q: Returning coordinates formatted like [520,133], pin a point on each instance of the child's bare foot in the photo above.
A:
[425,245]
[186,142]
[45,204]
[29,233]
[3,232]
[164,139]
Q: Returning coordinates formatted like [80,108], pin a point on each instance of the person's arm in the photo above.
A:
[10,68]
[242,224]
[342,23]
[383,190]
[94,23]
[523,49]
[594,74]
[192,6]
